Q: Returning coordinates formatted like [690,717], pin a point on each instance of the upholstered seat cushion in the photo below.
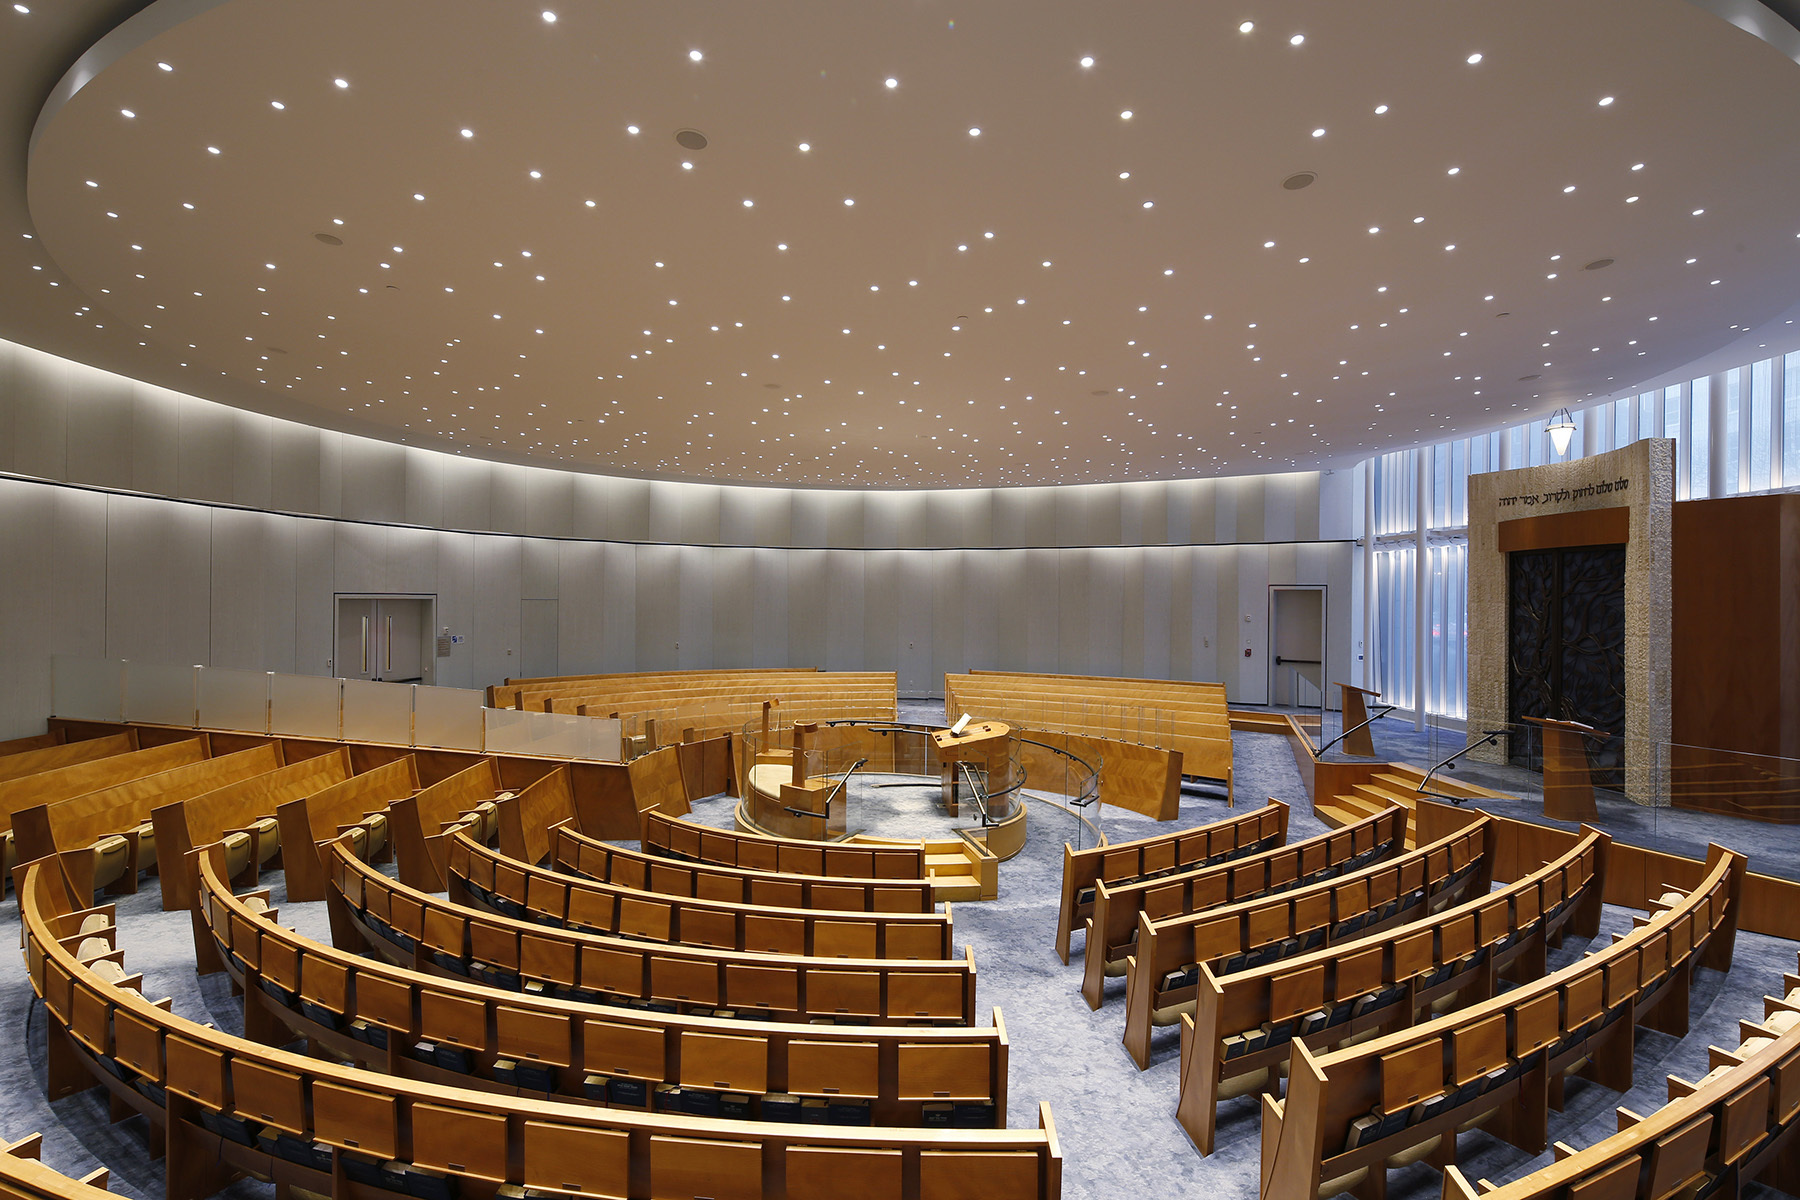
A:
[146,840]
[237,854]
[112,857]
[268,838]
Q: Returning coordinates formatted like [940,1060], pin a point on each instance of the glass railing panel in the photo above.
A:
[447,717]
[158,694]
[231,699]
[378,712]
[84,688]
[305,706]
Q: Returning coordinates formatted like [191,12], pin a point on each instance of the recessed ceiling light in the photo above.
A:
[1374,229]
[1126,115]
[1297,39]
[165,66]
[1568,189]
[20,8]
[1637,166]
[1473,59]
[892,82]
[805,147]
[1605,101]
[1318,133]
[342,83]
[687,166]
[1698,211]
[126,112]
[849,203]
[537,174]
[1087,60]
[469,133]
[1268,245]
[1149,204]
[1381,110]
[695,56]
[186,205]
[975,131]
[549,17]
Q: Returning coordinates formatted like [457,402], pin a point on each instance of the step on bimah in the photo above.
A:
[1155,857]
[576,854]
[1715,1136]
[1236,1042]
[242,814]
[428,932]
[221,1107]
[447,1030]
[482,877]
[1162,978]
[1113,927]
[1351,1114]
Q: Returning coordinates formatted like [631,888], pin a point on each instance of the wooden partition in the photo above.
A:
[1158,856]
[245,808]
[311,824]
[1245,1022]
[526,818]
[374,1013]
[417,822]
[575,853]
[1198,726]
[434,935]
[1163,978]
[482,877]
[220,1106]
[1348,1113]
[1112,931]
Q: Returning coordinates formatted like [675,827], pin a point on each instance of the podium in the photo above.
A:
[1568,787]
[1356,713]
[987,744]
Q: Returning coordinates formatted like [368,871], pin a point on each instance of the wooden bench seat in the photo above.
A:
[1163,976]
[54,784]
[434,935]
[574,853]
[224,1106]
[481,876]
[452,1031]
[1112,929]
[1237,1039]
[688,842]
[1353,1113]
[111,827]
[243,813]
[1734,1125]
[1205,845]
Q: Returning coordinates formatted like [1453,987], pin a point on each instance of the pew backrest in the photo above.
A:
[689,842]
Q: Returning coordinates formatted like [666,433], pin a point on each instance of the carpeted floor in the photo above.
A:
[1116,1123]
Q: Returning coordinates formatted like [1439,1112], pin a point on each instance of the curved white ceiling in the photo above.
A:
[1005,266]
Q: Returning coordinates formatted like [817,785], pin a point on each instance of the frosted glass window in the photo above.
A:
[1394,608]
[1790,428]
[1672,413]
[1700,439]
[1647,423]
[1623,425]
[1733,404]
[1762,386]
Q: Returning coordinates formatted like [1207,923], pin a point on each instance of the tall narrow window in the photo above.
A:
[1762,386]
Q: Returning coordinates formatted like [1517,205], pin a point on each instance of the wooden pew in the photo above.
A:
[360,802]
[223,1106]
[416,823]
[432,934]
[574,853]
[244,813]
[475,1036]
[1352,1113]
[481,877]
[526,817]
[1735,1125]
[1206,845]
[1112,929]
[1238,1037]
[65,754]
[501,695]
[33,741]
[48,787]
[1272,927]
[23,1176]
[683,840]
[112,825]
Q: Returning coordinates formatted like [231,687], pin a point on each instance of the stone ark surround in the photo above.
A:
[1641,478]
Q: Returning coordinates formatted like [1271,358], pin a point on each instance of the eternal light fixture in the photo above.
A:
[1560,427]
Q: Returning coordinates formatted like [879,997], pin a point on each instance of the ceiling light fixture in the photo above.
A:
[1560,427]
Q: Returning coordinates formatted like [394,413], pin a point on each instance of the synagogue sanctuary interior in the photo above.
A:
[913,600]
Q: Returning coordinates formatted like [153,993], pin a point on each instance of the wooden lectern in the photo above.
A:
[988,743]
[1357,713]
[1568,787]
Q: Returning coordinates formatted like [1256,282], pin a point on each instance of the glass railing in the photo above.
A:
[314,706]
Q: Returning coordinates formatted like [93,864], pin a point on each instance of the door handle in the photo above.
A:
[388,645]
[365,645]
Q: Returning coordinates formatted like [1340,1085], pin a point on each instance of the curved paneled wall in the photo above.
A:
[148,525]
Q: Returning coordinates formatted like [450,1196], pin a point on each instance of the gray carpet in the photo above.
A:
[1116,1123]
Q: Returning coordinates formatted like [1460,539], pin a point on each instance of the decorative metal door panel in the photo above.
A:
[1566,650]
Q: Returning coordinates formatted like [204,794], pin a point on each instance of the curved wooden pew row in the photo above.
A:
[357,808]
[225,1106]
[240,814]
[1353,1113]
[687,842]
[24,1177]
[576,854]
[105,838]
[445,1030]
[432,934]
[1162,979]
[1735,1125]
[55,784]
[1237,1040]
[1112,930]
[482,877]
[1153,857]
[418,823]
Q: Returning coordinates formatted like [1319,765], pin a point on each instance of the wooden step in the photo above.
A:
[1361,805]
[1384,797]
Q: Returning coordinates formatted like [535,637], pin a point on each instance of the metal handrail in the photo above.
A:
[1385,710]
[1488,737]
[976,791]
[842,783]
